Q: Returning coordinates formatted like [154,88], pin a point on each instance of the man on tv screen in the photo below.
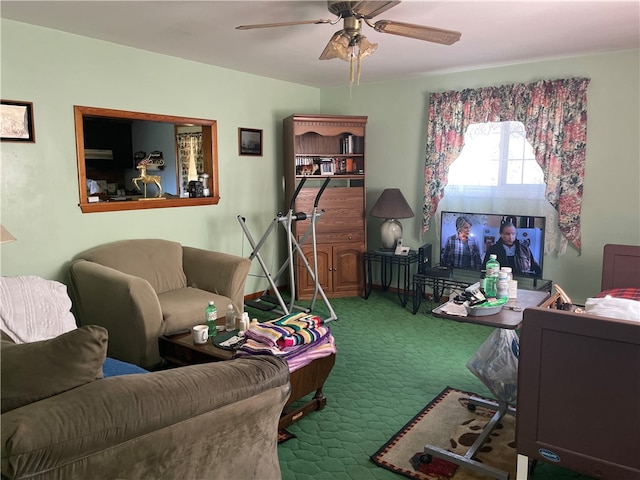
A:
[513,253]
[461,249]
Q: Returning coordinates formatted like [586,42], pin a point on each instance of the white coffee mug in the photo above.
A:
[200,334]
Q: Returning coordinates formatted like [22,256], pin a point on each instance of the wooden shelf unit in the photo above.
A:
[341,231]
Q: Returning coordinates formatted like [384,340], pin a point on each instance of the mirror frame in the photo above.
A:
[209,155]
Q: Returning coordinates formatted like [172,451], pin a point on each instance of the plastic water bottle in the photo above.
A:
[493,267]
[230,318]
[211,316]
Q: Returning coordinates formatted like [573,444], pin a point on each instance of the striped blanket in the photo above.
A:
[296,356]
[288,331]
[298,338]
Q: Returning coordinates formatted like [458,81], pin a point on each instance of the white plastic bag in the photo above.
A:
[495,363]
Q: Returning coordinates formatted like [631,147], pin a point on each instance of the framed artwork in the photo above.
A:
[250,142]
[327,167]
[16,121]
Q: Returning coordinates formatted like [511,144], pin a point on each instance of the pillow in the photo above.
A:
[33,308]
[33,371]
[608,306]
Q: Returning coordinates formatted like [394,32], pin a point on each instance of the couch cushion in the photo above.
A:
[37,370]
[184,308]
[112,367]
[33,308]
[157,261]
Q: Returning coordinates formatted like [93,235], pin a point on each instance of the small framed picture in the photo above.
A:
[250,142]
[327,167]
[16,121]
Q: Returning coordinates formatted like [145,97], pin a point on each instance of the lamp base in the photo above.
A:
[390,232]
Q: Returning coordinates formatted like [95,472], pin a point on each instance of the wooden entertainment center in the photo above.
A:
[315,147]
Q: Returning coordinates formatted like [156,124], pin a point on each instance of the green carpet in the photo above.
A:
[389,365]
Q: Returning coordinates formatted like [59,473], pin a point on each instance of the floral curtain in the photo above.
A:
[190,161]
[554,113]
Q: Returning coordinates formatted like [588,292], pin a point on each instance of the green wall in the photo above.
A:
[39,193]
[396,142]
[54,70]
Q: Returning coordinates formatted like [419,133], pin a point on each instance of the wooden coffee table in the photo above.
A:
[181,350]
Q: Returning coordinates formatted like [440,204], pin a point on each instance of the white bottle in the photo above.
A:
[244,323]
[508,271]
[230,318]
[502,286]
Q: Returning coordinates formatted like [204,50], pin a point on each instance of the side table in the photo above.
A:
[387,259]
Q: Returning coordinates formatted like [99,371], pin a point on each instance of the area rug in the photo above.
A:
[447,423]
[284,435]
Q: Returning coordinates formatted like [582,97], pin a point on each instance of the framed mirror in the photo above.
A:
[132,160]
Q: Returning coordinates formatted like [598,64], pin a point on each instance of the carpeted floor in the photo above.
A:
[389,365]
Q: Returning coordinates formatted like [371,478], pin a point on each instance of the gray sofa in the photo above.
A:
[141,289]
[61,420]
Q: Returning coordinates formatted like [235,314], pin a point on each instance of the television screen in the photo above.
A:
[467,239]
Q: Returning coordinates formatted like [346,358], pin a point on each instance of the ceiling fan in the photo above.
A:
[350,44]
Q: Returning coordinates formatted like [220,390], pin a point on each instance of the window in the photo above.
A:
[496,171]
[497,159]
[110,145]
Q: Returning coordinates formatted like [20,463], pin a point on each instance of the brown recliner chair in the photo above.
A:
[142,289]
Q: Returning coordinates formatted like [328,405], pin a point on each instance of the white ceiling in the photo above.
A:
[493,33]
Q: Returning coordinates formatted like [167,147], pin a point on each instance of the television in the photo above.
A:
[485,232]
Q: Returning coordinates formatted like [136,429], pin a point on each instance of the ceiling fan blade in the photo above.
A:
[420,32]
[282,24]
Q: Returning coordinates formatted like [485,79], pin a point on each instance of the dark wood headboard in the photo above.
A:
[578,392]
[620,266]
[578,389]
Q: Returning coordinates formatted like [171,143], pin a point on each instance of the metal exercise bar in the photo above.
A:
[293,247]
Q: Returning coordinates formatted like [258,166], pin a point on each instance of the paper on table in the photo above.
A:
[452,308]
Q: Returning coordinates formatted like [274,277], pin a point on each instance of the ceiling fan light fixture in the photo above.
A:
[338,47]
[366,47]
[351,49]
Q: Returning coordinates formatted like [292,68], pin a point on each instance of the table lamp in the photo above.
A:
[391,205]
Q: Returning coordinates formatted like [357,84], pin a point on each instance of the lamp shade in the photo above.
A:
[5,236]
[391,204]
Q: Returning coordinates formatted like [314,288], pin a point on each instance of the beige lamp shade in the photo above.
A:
[5,236]
[391,205]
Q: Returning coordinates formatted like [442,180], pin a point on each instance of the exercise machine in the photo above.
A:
[294,251]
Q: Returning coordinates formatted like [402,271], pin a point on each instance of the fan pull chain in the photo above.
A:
[351,69]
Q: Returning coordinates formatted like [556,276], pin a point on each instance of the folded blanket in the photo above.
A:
[322,349]
[297,356]
[255,347]
[287,331]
